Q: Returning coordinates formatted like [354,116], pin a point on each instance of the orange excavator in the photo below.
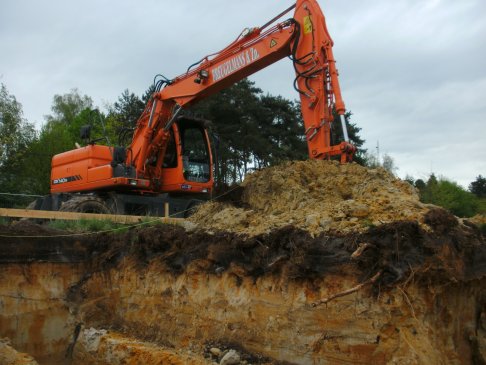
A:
[169,158]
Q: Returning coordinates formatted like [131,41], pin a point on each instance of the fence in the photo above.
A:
[16,201]
[14,206]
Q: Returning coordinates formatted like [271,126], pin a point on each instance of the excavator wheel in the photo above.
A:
[85,204]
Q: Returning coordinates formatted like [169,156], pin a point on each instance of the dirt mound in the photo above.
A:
[318,196]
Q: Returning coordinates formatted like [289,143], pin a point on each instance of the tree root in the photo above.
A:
[349,291]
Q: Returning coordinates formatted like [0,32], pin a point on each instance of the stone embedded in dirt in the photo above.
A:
[318,196]
[106,348]
[231,358]
[91,338]
[215,351]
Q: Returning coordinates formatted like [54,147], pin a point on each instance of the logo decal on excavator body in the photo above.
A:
[234,64]
[67,179]
[307,24]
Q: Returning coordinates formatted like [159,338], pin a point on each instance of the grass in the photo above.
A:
[96,225]
[85,225]
[4,221]
[367,223]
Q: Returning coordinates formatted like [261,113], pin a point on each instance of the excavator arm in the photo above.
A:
[170,155]
[303,38]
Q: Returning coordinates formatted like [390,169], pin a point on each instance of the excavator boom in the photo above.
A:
[304,38]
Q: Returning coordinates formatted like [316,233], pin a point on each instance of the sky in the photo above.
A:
[412,72]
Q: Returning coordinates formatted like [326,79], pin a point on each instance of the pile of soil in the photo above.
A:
[317,196]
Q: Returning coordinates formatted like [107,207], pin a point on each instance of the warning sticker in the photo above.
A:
[273,43]
[307,25]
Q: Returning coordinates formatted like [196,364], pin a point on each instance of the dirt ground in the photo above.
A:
[315,263]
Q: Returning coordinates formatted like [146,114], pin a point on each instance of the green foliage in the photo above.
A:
[54,138]
[450,196]
[408,178]
[86,225]
[420,184]
[387,162]
[15,136]
[124,113]
[4,221]
[67,107]
[57,135]
[478,187]
[482,205]
[370,160]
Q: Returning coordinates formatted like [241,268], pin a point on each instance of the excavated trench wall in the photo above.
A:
[35,277]
[34,314]
[184,293]
[270,317]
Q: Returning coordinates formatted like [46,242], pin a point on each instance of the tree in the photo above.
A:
[59,134]
[478,187]
[15,136]
[281,127]
[67,106]
[389,164]
[450,196]
[420,184]
[410,179]
[128,109]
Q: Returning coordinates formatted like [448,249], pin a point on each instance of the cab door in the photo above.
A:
[188,165]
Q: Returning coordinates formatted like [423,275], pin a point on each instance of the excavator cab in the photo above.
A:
[188,160]
[195,152]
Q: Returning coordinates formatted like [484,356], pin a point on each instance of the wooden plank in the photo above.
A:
[45,214]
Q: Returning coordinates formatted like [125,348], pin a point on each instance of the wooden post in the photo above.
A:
[166,210]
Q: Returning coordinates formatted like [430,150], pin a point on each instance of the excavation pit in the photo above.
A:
[403,290]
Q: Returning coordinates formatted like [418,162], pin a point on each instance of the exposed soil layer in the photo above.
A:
[446,249]
[316,263]
[25,242]
[187,291]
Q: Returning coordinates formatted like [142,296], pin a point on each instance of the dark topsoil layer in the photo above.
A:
[449,252]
